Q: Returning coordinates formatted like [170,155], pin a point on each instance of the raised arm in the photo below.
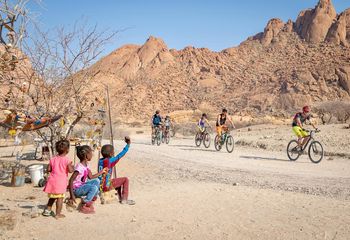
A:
[115,160]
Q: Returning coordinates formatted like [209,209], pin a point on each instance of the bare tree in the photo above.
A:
[56,78]
[14,18]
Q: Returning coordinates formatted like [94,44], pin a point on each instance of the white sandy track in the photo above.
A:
[250,167]
[184,192]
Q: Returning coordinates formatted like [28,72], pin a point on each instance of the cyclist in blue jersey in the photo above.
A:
[156,121]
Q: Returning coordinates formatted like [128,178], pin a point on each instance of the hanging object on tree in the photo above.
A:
[14,120]
[62,122]
[7,112]
[12,132]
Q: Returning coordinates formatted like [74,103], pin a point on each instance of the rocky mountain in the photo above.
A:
[272,73]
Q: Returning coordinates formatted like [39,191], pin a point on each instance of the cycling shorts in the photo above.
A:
[299,132]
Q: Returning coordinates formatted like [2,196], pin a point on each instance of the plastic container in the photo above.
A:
[18,176]
[36,173]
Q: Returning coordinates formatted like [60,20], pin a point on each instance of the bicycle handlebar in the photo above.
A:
[315,131]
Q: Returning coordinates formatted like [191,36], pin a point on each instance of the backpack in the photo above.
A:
[156,120]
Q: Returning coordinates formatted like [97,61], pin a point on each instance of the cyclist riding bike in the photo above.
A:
[203,123]
[167,124]
[221,122]
[299,119]
[156,121]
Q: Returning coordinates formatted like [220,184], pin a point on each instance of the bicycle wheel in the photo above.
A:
[158,138]
[293,150]
[172,132]
[153,139]
[230,144]
[167,138]
[198,139]
[206,140]
[316,152]
[217,143]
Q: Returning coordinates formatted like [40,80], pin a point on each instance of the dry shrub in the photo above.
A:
[242,122]
[335,111]
[185,129]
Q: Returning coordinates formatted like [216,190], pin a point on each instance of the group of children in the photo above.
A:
[83,184]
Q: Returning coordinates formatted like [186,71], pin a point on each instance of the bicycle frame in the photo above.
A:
[157,131]
[308,141]
[224,137]
[204,132]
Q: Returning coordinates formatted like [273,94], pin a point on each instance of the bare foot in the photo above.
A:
[60,216]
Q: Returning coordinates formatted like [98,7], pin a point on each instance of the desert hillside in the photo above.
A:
[274,72]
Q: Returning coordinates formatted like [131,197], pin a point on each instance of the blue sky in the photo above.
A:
[215,24]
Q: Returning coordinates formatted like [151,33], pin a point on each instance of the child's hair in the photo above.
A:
[62,146]
[82,151]
[107,150]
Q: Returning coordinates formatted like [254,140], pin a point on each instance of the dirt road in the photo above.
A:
[248,167]
[185,192]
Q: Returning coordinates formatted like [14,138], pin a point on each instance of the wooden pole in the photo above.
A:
[110,118]
[110,127]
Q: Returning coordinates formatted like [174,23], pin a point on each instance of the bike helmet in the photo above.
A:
[306,109]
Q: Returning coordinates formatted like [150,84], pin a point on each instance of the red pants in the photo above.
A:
[122,187]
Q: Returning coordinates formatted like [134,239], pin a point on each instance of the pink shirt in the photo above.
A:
[57,181]
[82,177]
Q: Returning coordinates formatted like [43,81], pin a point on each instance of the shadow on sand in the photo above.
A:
[267,159]
[183,145]
[201,150]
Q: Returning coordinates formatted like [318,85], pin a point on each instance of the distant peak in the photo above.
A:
[313,25]
[153,38]
[157,42]
[325,3]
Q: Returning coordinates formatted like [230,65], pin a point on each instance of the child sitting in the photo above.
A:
[80,186]
[121,185]
[56,185]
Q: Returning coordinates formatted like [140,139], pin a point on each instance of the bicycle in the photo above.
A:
[157,136]
[166,136]
[226,138]
[202,137]
[315,150]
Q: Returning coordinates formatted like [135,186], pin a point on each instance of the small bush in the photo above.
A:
[329,112]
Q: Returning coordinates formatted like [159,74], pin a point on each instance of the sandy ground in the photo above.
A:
[185,192]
